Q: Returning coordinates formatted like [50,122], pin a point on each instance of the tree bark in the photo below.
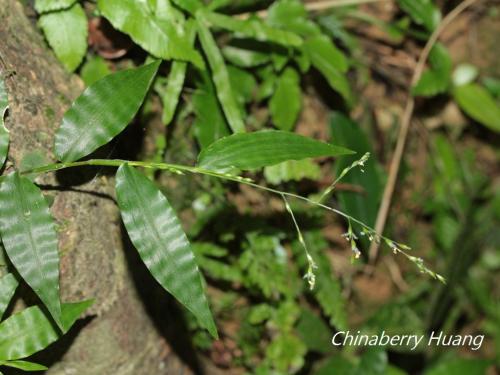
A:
[120,337]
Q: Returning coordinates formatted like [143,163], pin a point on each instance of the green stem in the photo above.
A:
[177,168]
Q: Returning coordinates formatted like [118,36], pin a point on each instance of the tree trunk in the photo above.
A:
[118,337]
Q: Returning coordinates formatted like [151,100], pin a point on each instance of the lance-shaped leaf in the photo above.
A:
[286,102]
[4,133]
[24,365]
[66,32]
[102,112]
[8,285]
[157,234]
[29,237]
[30,331]
[331,62]
[175,81]
[156,35]
[253,28]
[477,102]
[220,78]
[263,148]
[437,79]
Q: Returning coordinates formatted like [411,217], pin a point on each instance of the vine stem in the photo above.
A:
[405,125]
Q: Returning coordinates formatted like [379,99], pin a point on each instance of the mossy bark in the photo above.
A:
[120,338]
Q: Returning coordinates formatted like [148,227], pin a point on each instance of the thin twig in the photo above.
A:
[405,125]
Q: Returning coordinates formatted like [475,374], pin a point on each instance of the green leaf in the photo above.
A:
[422,12]
[30,331]
[220,78]
[331,62]
[292,15]
[94,70]
[314,332]
[102,112]
[42,6]
[71,311]
[373,362]
[292,170]
[66,32]
[253,28]
[175,81]
[336,365]
[437,79]
[286,103]
[30,240]
[478,104]
[155,231]
[244,57]
[8,286]
[263,148]
[4,133]
[24,365]
[460,366]
[190,6]
[361,205]
[209,124]
[160,37]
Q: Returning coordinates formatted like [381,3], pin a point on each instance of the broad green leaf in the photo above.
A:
[8,285]
[252,28]
[292,15]
[30,330]
[422,12]
[175,81]
[292,170]
[209,124]
[460,366]
[66,32]
[102,112]
[160,37]
[437,79]
[331,62]
[42,6]
[263,148]
[24,365]
[94,70]
[30,240]
[362,205]
[220,78]
[155,231]
[4,133]
[478,104]
[286,102]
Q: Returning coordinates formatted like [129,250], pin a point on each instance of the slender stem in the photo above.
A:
[178,168]
[405,125]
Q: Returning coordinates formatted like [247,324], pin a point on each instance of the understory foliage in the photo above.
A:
[230,80]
